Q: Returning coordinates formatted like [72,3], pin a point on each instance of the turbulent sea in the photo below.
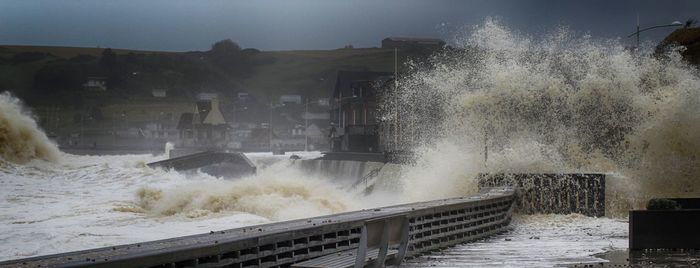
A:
[560,103]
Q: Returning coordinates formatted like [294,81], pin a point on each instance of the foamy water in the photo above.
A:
[51,208]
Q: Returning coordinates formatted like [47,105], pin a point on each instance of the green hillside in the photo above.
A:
[43,75]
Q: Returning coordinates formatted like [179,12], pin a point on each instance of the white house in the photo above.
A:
[290,99]
[95,83]
[159,93]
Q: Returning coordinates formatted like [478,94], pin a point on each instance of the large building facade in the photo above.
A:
[354,115]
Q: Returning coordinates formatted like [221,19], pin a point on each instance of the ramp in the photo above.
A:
[215,163]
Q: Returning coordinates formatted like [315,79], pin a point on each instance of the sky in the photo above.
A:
[181,25]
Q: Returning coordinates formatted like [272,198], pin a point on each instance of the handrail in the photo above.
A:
[431,224]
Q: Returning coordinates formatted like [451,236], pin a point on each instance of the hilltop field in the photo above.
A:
[41,75]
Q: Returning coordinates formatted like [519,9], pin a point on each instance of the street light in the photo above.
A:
[673,24]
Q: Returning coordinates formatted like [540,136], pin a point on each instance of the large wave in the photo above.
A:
[21,140]
[278,192]
[562,103]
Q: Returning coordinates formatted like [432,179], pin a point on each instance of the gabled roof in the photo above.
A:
[214,115]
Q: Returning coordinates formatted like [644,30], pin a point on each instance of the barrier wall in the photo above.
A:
[553,193]
[424,226]
[664,229]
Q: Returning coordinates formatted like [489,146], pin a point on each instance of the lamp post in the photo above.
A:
[269,128]
[673,24]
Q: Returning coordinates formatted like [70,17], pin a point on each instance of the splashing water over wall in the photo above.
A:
[560,104]
[21,140]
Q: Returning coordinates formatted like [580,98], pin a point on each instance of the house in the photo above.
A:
[354,112]
[159,93]
[323,101]
[316,137]
[412,43]
[205,127]
[243,96]
[290,99]
[207,96]
[95,83]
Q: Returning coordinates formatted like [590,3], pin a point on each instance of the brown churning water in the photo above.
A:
[21,140]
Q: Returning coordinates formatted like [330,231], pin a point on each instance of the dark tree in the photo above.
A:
[225,47]
[109,59]
[230,58]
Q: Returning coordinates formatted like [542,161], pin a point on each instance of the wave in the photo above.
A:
[21,140]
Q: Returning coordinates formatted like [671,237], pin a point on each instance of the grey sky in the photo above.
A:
[180,25]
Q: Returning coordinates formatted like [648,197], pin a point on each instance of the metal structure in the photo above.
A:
[231,163]
[557,193]
[370,237]
[672,24]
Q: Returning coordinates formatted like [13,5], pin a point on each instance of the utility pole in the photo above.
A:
[306,126]
[396,101]
[637,30]
[269,127]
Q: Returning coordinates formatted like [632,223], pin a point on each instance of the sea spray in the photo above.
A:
[21,140]
[279,192]
[505,102]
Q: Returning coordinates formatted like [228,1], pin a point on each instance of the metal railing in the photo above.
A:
[431,225]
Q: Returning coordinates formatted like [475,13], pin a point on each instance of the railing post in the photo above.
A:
[383,245]
[362,249]
[403,246]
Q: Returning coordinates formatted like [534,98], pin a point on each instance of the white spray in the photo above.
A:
[560,104]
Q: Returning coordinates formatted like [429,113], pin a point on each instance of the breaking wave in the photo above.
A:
[278,192]
[562,103]
[21,140]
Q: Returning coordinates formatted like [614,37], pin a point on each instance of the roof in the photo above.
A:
[214,115]
[345,78]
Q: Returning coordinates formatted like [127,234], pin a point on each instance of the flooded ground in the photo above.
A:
[536,241]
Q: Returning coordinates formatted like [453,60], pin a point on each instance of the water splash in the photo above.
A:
[21,140]
[278,192]
[563,103]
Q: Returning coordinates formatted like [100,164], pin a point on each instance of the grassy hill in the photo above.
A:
[312,73]
[65,52]
[264,74]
